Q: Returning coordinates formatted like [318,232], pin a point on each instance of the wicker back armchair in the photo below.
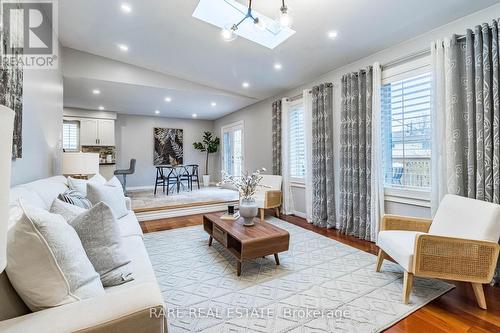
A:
[460,244]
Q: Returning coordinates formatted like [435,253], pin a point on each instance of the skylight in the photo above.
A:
[223,12]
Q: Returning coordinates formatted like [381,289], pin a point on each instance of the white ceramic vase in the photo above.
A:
[248,210]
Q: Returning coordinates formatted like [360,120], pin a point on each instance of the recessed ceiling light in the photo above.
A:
[333,34]
[123,47]
[101,107]
[245,84]
[157,111]
[213,104]
[194,115]
[126,8]
[168,99]
[96,91]
[278,66]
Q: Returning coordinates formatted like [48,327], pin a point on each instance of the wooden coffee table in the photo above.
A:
[244,243]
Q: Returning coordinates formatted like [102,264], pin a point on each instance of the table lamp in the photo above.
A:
[80,165]
[6,133]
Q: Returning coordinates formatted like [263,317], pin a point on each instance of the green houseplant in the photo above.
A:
[209,145]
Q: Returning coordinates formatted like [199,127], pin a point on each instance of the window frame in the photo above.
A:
[295,181]
[392,74]
[77,149]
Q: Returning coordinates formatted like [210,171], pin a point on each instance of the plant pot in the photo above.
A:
[248,210]
[206,180]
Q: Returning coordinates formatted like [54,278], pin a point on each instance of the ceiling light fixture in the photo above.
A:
[123,47]
[96,91]
[228,32]
[194,115]
[278,66]
[285,17]
[333,34]
[213,104]
[101,107]
[168,99]
[245,84]
[157,111]
[126,8]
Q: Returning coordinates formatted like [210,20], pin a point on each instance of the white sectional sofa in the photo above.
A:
[125,308]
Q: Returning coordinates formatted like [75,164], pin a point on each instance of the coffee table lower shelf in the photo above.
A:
[246,243]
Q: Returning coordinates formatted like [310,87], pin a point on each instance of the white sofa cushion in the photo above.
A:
[111,195]
[46,262]
[467,218]
[129,226]
[399,245]
[80,185]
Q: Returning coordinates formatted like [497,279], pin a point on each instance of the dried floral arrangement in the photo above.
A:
[246,184]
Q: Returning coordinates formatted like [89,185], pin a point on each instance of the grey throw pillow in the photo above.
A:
[47,264]
[75,198]
[66,210]
[111,195]
[100,235]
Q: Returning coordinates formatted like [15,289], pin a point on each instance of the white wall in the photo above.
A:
[258,116]
[134,139]
[42,125]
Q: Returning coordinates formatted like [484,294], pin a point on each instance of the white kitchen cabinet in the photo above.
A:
[89,132]
[97,132]
[106,130]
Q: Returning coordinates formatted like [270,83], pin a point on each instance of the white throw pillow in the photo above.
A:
[46,262]
[111,195]
[100,235]
[80,185]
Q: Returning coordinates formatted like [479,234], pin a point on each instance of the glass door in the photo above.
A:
[232,149]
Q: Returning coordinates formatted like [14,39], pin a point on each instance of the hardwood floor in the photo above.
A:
[456,311]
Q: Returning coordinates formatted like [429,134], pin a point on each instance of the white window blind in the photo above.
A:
[297,141]
[70,135]
[406,129]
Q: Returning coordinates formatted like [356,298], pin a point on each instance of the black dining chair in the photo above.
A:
[125,172]
[190,174]
[167,177]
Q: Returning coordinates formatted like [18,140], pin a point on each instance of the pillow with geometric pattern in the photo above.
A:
[75,198]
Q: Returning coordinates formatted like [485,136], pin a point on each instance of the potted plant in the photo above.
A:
[209,145]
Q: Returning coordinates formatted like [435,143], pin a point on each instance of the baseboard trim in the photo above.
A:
[185,211]
[300,214]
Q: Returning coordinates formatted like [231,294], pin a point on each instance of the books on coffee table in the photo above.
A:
[231,217]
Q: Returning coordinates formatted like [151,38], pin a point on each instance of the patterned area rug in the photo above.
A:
[147,200]
[321,286]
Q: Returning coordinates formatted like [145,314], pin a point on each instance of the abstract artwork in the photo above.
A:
[168,145]
[11,95]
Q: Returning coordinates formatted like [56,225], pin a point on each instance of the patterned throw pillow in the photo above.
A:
[75,198]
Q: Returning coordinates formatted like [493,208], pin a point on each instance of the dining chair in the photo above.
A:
[190,174]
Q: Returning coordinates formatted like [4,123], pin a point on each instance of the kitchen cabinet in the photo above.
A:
[97,132]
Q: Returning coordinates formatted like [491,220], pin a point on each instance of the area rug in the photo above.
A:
[321,286]
[146,200]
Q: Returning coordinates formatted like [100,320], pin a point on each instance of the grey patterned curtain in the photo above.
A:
[475,115]
[276,137]
[323,196]
[355,153]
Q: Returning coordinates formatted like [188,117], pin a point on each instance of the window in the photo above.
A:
[406,127]
[71,134]
[297,146]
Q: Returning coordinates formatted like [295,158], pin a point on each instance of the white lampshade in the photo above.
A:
[6,132]
[80,163]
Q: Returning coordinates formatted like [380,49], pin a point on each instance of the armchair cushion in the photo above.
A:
[399,245]
[467,218]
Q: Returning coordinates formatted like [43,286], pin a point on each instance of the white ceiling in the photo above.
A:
[163,36]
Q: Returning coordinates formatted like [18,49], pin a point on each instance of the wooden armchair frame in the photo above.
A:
[442,257]
[272,199]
